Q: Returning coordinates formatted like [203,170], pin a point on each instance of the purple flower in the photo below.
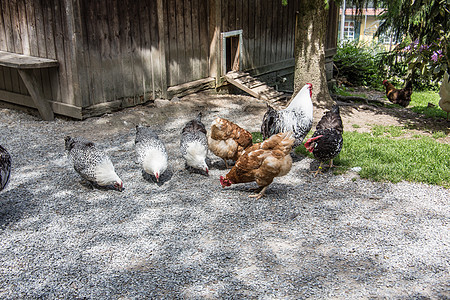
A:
[435,56]
[423,47]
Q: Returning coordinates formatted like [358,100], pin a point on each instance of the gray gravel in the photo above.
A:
[325,237]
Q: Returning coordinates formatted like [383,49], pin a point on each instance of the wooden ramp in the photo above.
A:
[256,88]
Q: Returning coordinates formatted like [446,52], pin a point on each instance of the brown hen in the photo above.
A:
[262,162]
[227,140]
[398,96]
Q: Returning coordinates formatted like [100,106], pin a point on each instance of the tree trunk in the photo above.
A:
[310,50]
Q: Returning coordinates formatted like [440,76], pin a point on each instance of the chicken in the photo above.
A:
[262,162]
[227,140]
[402,96]
[444,92]
[297,117]
[326,142]
[92,164]
[194,144]
[5,167]
[150,151]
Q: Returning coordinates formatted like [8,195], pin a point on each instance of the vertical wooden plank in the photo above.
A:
[3,46]
[126,48]
[58,31]
[163,43]
[17,83]
[155,49]
[108,69]
[145,50]
[251,33]
[114,27]
[9,43]
[75,53]
[275,36]
[50,45]
[24,28]
[187,66]
[195,40]
[258,38]
[215,24]
[135,52]
[172,42]
[204,37]
[37,38]
[181,41]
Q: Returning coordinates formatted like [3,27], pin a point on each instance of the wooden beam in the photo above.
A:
[57,107]
[191,87]
[35,90]
[20,61]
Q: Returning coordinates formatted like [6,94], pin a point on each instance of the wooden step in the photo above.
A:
[255,87]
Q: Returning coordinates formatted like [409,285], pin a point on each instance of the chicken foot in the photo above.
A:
[260,194]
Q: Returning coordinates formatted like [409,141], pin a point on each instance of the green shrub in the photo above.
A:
[358,63]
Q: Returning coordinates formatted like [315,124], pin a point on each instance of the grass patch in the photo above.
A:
[382,158]
[393,131]
[356,126]
[419,104]
[257,137]
[439,134]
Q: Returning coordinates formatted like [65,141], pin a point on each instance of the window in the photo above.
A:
[349,30]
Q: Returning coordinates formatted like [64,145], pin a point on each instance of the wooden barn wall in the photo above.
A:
[268,29]
[187,40]
[121,51]
[38,28]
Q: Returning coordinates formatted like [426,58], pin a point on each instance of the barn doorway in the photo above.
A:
[231,51]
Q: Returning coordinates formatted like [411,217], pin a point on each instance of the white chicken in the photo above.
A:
[444,92]
[150,151]
[297,117]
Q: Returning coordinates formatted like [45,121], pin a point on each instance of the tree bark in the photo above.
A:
[309,50]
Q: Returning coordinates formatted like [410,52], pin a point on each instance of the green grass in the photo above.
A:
[419,104]
[393,131]
[356,126]
[385,159]
[257,137]
[439,134]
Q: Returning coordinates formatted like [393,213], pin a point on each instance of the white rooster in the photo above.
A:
[297,117]
[444,92]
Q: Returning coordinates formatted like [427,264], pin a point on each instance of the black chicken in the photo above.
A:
[5,167]
[326,142]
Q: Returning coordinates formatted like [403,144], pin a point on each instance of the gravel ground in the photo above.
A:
[325,237]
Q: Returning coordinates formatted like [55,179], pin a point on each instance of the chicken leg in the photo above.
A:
[260,194]
[226,164]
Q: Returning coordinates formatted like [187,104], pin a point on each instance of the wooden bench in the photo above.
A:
[26,65]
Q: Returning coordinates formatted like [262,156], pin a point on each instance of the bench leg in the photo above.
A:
[36,93]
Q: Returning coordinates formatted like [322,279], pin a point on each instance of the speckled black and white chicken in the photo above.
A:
[326,142]
[150,151]
[5,167]
[93,164]
[194,144]
[297,117]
